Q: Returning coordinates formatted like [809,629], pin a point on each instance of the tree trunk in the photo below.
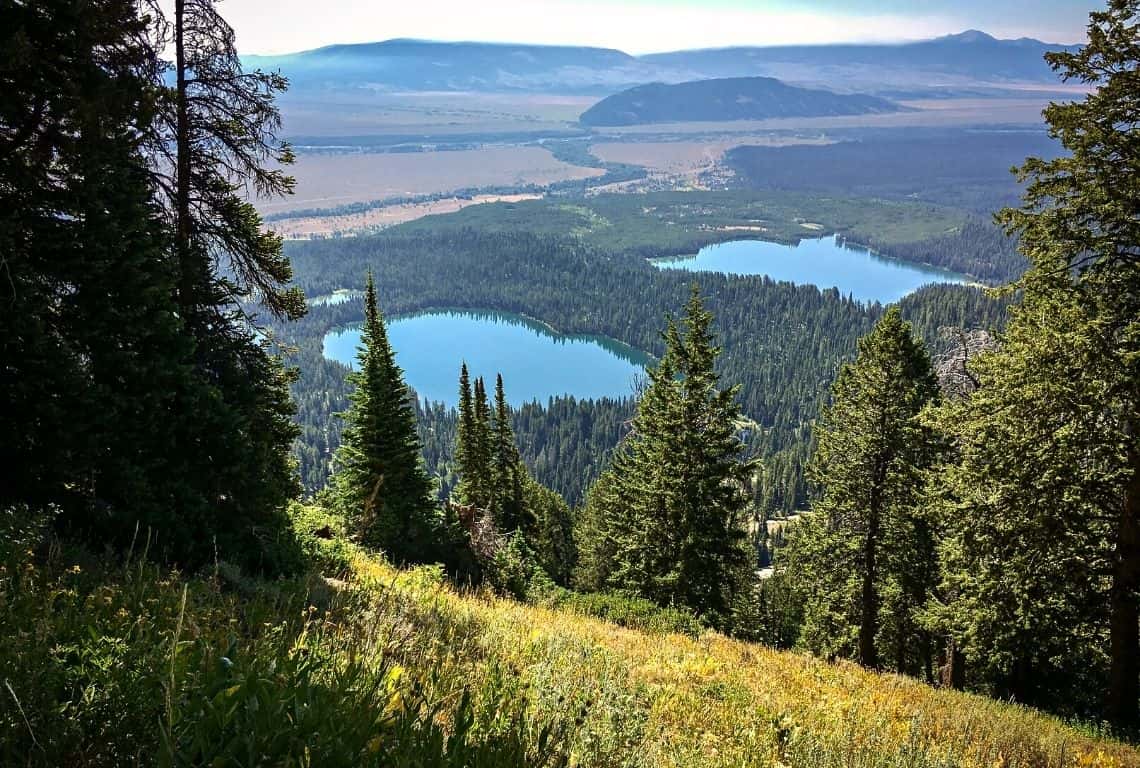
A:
[953,674]
[187,283]
[928,657]
[1124,620]
[900,652]
[869,624]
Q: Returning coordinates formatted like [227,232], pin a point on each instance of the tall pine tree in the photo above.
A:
[379,481]
[668,513]
[1026,541]
[473,444]
[1049,477]
[73,91]
[219,140]
[213,138]
[866,527]
[109,419]
[713,477]
[481,448]
[507,473]
[639,510]
[466,491]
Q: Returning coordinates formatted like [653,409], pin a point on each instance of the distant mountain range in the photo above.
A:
[965,60]
[736,98]
[971,57]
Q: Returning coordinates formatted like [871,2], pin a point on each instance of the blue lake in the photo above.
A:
[536,363]
[826,262]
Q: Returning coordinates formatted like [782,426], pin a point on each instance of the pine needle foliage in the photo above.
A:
[1043,568]
[866,558]
[379,482]
[665,521]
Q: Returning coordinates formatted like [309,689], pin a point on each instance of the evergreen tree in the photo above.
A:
[481,450]
[493,478]
[67,109]
[1049,472]
[593,535]
[667,515]
[552,533]
[1026,540]
[642,519]
[867,555]
[211,139]
[712,484]
[507,473]
[219,135]
[467,491]
[108,420]
[379,482]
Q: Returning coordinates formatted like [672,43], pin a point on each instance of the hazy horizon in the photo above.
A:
[640,27]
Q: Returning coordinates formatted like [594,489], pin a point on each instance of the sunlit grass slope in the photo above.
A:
[388,667]
[664,700]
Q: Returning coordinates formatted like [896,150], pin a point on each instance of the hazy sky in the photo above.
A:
[641,26]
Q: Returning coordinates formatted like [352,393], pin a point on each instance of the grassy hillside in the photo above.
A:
[128,665]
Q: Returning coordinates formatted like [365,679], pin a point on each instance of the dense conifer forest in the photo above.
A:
[961,168]
[782,342]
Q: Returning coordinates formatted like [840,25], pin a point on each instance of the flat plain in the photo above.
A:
[308,227]
[686,161]
[331,180]
[927,113]
[355,113]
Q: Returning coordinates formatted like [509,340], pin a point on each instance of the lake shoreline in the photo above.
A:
[537,362]
[854,270]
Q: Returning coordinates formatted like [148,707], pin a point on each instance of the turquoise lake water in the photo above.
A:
[536,364]
[825,262]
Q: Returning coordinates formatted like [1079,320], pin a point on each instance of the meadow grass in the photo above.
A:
[130,665]
[671,699]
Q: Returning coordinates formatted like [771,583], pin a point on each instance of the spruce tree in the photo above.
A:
[713,478]
[642,515]
[1084,207]
[509,508]
[110,421]
[552,532]
[1045,566]
[593,536]
[866,525]
[466,450]
[475,448]
[668,513]
[380,484]
[219,125]
[481,449]
[211,139]
[1026,543]
[63,116]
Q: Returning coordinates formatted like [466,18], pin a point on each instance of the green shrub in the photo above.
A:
[323,538]
[631,612]
[514,568]
[514,571]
